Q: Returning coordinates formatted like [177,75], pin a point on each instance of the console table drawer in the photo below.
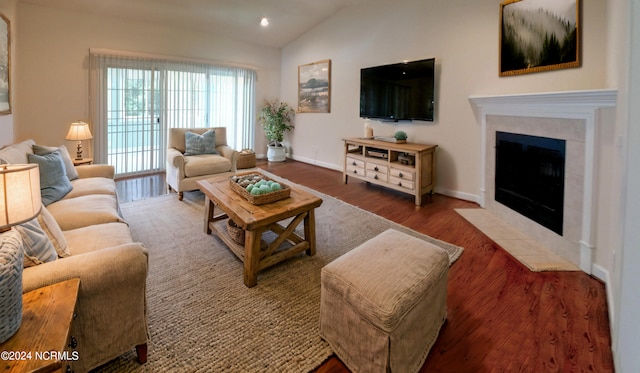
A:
[353,162]
[402,183]
[377,175]
[354,170]
[402,174]
[375,167]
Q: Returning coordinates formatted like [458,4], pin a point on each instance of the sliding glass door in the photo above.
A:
[135,140]
[136,99]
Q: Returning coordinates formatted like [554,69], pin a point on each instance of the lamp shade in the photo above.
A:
[79,131]
[19,194]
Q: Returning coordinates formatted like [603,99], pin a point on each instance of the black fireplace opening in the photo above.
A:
[530,177]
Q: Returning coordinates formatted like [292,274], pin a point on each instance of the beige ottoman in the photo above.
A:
[383,303]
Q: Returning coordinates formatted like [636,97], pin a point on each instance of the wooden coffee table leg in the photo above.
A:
[251,257]
[310,232]
[208,214]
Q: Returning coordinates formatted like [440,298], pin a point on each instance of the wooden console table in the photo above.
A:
[406,167]
[41,343]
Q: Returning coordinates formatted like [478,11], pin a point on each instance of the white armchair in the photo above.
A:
[184,170]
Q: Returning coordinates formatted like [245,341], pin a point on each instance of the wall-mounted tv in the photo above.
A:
[401,91]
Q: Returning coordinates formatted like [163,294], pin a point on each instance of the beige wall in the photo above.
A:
[53,50]
[8,8]
[463,37]
[625,279]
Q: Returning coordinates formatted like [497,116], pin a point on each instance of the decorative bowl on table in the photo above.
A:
[259,189]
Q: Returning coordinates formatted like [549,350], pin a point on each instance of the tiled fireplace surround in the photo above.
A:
[571,116]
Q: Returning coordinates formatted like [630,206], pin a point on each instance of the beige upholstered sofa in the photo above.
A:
[112,268]
[184,170]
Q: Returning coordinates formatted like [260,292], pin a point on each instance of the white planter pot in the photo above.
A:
[276,154]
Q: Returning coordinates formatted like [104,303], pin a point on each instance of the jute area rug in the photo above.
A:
[201,316]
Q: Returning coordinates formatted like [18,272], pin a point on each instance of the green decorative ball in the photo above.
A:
[275,187]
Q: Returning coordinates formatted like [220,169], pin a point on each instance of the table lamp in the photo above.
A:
[79,131]
[19,202]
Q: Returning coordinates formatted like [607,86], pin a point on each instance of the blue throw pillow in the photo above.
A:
[72,174]
[37,247]
[200,144]
[54,183]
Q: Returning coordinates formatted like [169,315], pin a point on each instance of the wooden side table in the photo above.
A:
[40,345]
[78,162]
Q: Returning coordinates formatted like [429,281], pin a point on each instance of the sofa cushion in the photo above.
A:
[96,237]
[205,164]
[16,153]
[35,243]
[54,233]
[84,211]
[54,183]
[92,185]
[196,144]
[72,174]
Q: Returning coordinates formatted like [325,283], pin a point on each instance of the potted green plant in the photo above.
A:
[275,119]
[400,136]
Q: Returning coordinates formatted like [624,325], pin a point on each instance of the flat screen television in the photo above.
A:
[401,91]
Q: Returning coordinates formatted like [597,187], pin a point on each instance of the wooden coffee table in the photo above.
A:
[258,219]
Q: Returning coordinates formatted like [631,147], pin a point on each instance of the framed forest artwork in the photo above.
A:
[314,87]
[539,35]
[5,65]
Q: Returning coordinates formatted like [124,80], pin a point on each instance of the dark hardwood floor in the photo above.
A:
[141,187]
[501,316]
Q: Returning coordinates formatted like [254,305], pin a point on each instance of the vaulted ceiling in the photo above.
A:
[239,19]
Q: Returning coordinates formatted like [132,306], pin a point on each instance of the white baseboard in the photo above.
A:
[317,163]
[600,273]
[603,275]
[307,160]
[457,194]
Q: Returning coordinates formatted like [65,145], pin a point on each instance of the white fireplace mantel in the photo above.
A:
[570,104]
[581,105]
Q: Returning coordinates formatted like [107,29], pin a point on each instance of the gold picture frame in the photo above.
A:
[5,65]
[314,87]
[539,35]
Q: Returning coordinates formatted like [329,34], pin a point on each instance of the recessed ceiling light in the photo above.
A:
[264,22]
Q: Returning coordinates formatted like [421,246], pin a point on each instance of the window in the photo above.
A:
[136,100]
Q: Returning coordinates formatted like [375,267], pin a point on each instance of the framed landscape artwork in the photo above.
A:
[314,87]
[5,64]
[539,35]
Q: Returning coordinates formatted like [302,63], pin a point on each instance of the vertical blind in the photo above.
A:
[135,99]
